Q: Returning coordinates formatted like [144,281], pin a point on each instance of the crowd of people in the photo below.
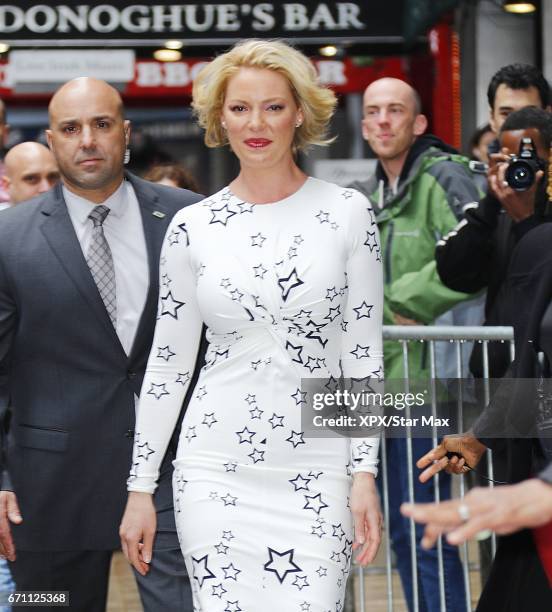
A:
[153,343]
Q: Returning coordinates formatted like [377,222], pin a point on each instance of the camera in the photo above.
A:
[522,168]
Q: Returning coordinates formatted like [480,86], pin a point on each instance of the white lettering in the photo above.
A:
[16,17]
[322,19]
[148,74]
[347,15]
[160,18]
[191,17]
[49,19]
[332,73]
[227,18]
[142,24]
[95,18]
[295,16]
[68,18]
[176,74]
[262,19]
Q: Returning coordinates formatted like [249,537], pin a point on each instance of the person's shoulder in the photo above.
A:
[332,191]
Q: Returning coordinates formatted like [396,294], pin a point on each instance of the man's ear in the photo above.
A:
[5,181]
[127,129]
[420,125]
[49,140]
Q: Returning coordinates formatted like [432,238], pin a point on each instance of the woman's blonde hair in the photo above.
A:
[316,102]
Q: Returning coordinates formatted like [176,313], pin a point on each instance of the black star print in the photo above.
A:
[298,239]
[257,455]
[361,351]
[222,549]
[245,435]
[318,530]
[144,451]
[231,572]
[364,449]
[334,225]
[335,556]
[201,571]
[322,571]
[281,563]
[250,399]
[338,532]
[364,310]
[173,237]
[221,215]
[305,607]
[296,438]
[201,393]
[299,483]
[344,325]
[314,502]
[346,551]
[276,421]
[190,434]
[209,419]
[259,271]
[229,500]
[165,280]
[170,306]
[183,378]
[227,535]
[300,582]
[158,391]
[378,374]
[184,230]
[256,413]
[257,240]
[292,252]
[371,241]
[230,466]
[323,217]
[287,283]
[312,364]
[243,207]
[164,352]
[236,295]
[331,293]
[300,397]
[232,606]
[218,590]
[347,194]
[225,283]
[295,351]
[372,218]
[333,313]
[315,474]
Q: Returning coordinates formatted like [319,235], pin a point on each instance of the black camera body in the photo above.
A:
[522,168]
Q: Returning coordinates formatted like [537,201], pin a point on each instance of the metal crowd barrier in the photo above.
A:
[359,599]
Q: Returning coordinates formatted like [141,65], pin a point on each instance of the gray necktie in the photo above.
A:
[100,262]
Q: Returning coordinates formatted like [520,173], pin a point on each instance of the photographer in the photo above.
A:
[475,255]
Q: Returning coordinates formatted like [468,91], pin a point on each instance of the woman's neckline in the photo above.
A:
[285,200]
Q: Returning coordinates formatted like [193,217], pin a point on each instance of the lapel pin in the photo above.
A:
[158,214]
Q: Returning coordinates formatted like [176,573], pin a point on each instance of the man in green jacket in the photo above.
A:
[419,190]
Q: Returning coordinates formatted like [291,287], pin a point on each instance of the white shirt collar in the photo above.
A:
[80,207]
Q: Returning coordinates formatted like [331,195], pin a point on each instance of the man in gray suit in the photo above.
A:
[78,300]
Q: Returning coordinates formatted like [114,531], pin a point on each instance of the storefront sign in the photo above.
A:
[195,22]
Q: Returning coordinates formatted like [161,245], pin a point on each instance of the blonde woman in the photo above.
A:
[285,272]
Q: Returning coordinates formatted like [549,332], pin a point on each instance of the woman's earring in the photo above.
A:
[223,123]
[298,124]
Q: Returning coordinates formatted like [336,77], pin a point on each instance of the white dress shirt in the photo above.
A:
[124,233]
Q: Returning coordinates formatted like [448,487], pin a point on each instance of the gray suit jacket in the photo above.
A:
[65,376]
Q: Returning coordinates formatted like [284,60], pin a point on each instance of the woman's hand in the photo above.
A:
[367,517]
[137,530]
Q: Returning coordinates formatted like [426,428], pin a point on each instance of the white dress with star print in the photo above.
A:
[287,290]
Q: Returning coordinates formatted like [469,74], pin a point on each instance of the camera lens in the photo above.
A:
[520,175]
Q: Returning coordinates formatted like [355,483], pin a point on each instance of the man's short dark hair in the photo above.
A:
[519,76]
[530,117]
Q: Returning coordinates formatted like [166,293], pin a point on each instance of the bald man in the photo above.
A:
[4,132]
[78,300]
[29,170]
[419,190]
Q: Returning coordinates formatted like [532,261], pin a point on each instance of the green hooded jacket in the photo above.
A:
[433,189]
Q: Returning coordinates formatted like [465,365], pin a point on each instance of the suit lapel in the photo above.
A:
[155,219]
[59,232]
